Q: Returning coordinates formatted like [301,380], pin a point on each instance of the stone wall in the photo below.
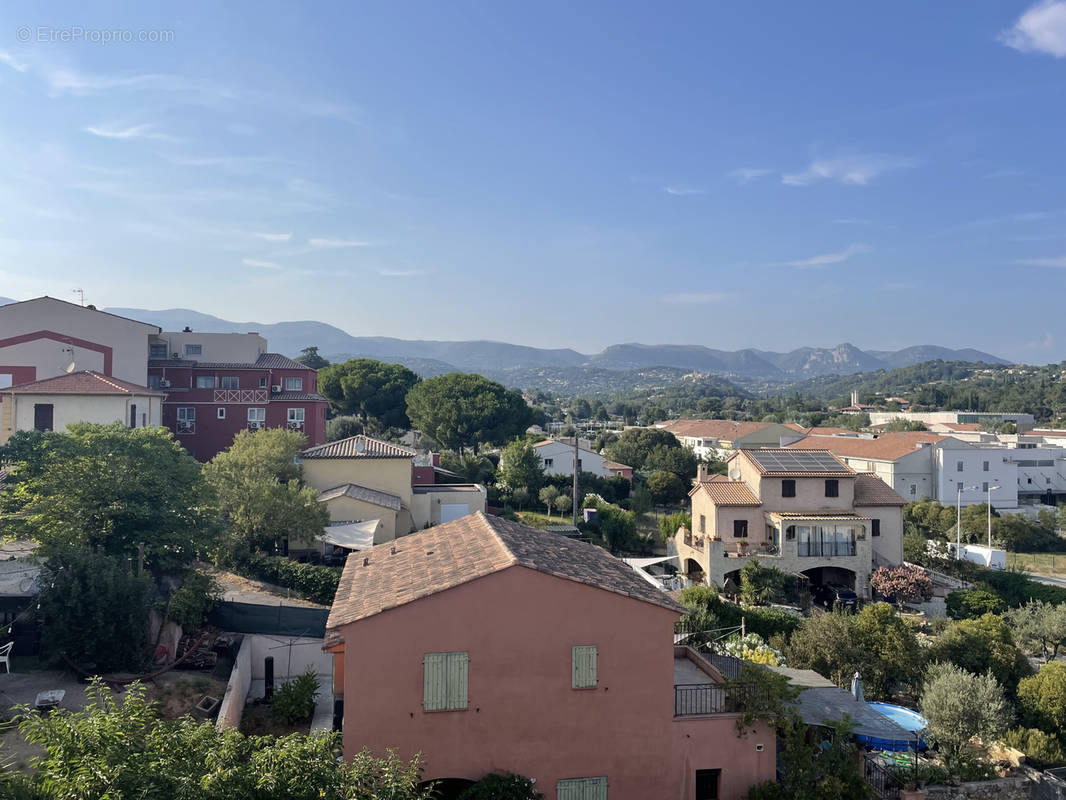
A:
[1003,789]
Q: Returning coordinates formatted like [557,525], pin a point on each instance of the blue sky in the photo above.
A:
[556,174]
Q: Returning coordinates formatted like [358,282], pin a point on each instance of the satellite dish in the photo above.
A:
[359,446]
[71,367]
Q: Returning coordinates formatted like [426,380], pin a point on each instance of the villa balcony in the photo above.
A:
[248,396]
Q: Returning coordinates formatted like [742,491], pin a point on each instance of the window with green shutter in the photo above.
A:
[444,681]
[583,666]
[581,789]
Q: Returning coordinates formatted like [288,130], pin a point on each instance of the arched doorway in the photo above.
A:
[693,571]
[447,788]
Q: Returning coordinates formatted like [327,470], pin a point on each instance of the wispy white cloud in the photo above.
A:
[696,298]
[683,191]
[746,175]
[851,221]
[400,273]
[11,61]
[1003,173]
[255,262]
[273,237]
[328,242]
[1042,262]
[851,170]
[1041,29]
[143,131]
[826,259]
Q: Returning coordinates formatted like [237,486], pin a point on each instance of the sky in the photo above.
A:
[558,174]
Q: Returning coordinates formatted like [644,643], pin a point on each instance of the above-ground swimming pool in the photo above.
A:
[906,718]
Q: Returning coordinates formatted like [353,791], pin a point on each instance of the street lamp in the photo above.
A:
[990,488]
[958,520]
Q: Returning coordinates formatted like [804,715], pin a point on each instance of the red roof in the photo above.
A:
[887,447]
[82,382]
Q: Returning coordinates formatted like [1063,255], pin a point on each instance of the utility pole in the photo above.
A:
[576,470]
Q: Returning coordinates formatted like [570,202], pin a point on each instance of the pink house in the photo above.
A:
[486,645]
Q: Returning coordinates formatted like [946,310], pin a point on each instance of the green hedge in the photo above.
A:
[315,583]
[1017,589]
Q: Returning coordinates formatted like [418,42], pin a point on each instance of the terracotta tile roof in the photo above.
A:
[713,428]
[872,491]
[356,492]
[887,447]
[82,382]
[301,396]
[728,493]
[264,361]
[360,446]
[469,548]
[614,465]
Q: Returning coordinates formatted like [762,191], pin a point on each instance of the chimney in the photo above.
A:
[701,472]
[854,397]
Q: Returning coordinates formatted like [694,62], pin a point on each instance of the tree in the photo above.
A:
[94,609]
[959,705]
[826,644]
[636,444]
[520,497]
[309,357]
[563,503]
[344,427]
[1042,697]
[982,644]
[549,495]
[580,408]
[462,410]
[520,466]
[260,499]
[820,770]
[1039,627]
[759,584]
[374,391]
[502,786]
[117,747]
[971,603]
[680,461]
[665,487]
[669,524]
[1042,750]
[114,490]
[903,584]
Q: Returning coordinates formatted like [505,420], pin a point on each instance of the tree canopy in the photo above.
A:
[374,391]
[635,445]
[520,466]
[462,410]
[309,357]
[959,705]
[112,489]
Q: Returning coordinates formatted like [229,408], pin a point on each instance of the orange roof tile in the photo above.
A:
[887,447]
[83,382]
[714,428]
[728,493]
[872,491]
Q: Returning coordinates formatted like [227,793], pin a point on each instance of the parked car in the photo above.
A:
[835,598]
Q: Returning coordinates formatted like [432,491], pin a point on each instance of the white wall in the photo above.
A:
[70,408]
[1001,472]
[219,347]
[561,456]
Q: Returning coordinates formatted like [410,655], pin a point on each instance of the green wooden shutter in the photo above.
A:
[444,681]
[581,789]
[583,666]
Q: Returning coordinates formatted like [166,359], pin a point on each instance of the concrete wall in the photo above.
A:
[348,509]
[18,411]
[392,475]
[561,456]
[523,715]
[218,347]
[240,680]
[292,657]
[426,504]
[889,545]
[1001,472]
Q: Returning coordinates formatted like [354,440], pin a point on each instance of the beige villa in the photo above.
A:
[805,512]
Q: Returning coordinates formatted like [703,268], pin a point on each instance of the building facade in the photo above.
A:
[805,513]
[488,646]
[720,438]
[218,384]
[557,458]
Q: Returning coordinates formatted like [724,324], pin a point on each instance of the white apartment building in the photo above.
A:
[557,458]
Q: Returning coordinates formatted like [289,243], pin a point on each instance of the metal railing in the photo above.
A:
[185,427]
[883,779]
[241,396]
[700,699]
[825,548]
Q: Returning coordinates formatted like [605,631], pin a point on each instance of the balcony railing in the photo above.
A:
[695,542]
[241,395]
[825,548]
[699,699]
[185,427]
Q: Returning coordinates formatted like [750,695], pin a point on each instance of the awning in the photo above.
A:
[353,535]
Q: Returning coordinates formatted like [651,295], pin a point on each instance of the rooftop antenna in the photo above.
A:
[73,362]
[81,295]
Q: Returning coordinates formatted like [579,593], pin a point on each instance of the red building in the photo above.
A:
[209,402]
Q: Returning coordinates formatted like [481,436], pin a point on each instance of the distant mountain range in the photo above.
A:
[514,364]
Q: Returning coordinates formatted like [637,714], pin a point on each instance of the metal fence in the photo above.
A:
[698,699]
[882,779]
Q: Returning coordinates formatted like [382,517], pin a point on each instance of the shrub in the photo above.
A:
[315,583]
[767,790]
[1017,588]
[753,648]
[502,786]
[1042,697]
[902,584]
[759,584]
[971,603]
[959,705]
[192,602]
[295,701]
[1042,750]
[669,524]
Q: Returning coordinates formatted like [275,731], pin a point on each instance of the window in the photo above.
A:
[581,789]
[788,488]
[133,415]
[832,488]
[230,382]
[444,681]
[740,529]
[548,462]
[579,465]
[707,781]
[157,351]
[875,527]
[703,524]
[914,489]
[155,382]
[262,383]
[583,666]
[296,417]
[790,533]
[958,486]
[984,486]
[825,540]
[294,384]
[984,466]
[43,417]
[5,379]
[257,414]
[221,413]
[205,381]
[1029,480]
[186,419]
[958,466]
[194,349]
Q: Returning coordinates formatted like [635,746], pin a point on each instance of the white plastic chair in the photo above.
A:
[5,656]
